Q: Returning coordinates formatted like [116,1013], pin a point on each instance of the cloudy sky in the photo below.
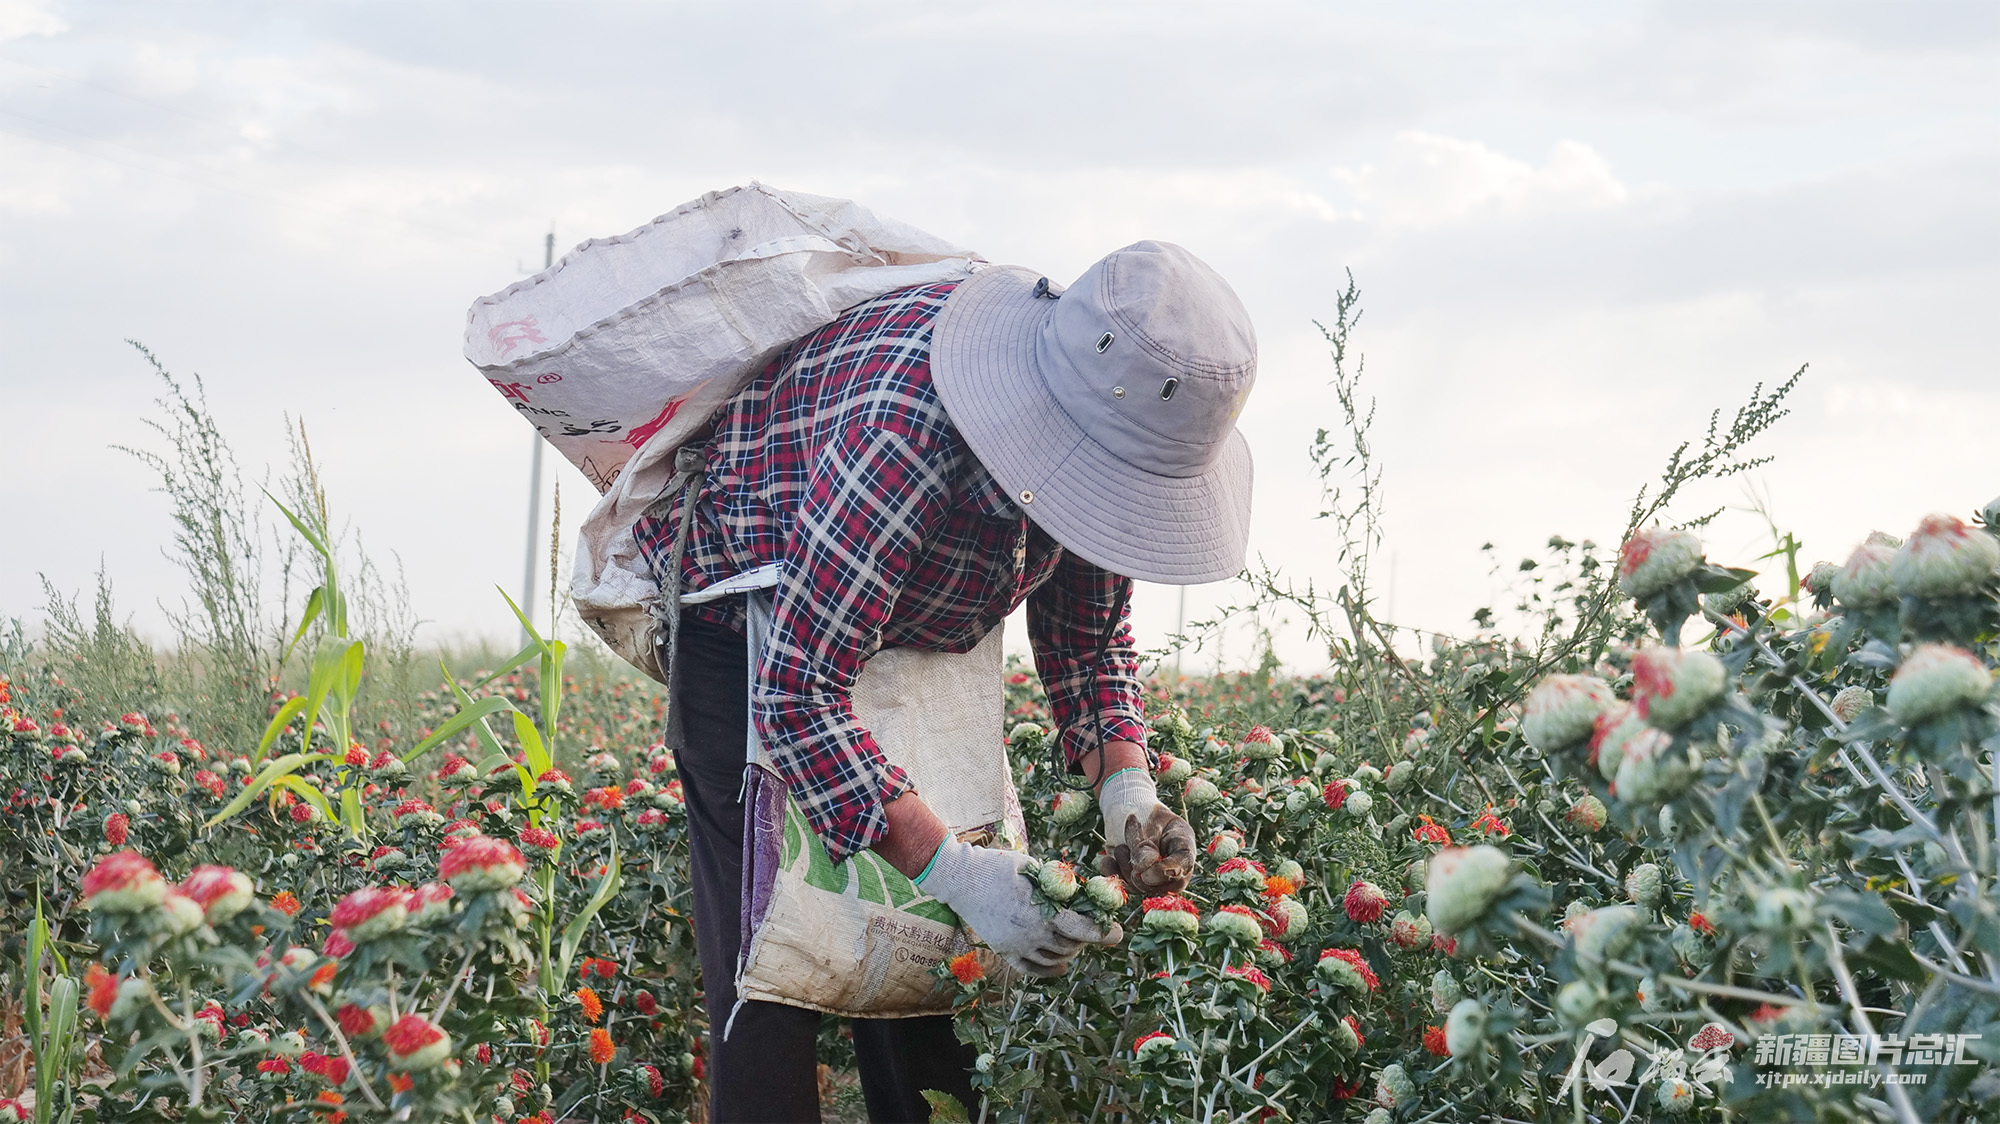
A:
[1578,227]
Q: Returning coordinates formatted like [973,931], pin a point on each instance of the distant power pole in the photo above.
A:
[535,483]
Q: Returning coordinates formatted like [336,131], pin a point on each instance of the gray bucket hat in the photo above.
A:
[1108,409]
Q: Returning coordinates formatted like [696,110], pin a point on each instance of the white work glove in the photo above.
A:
[1146,844]
[989,890]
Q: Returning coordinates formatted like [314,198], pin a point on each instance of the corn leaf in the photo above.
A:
[572,937]
[286,714]
[523,656]
[471,713]
[314,606]
[279,767]
[309,791]
[531,740]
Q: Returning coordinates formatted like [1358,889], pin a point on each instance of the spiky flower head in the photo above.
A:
[1655,558]
[1445,991]
[1347,969]
[1588,813]
[1365,902]
[1944,557]
[1069,806]
[1171,915]
[1057,880]
[1260,744]
[482,863]
[123,882]
[1105,891]
[1200,791]
[416,1043]
[1409,932]
[1465,1027]
[1644,884]
[1562,711]
[1672,685]
[1149,1047]
[1238,923]
[1393,1086]
[1174,770]
[222,892]
[1865,581]
[1935,680]
[1851,701]
[1287,918]
[1226,845]
[1463,884]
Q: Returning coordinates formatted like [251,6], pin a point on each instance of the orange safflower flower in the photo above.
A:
[593,1007]
[401,1082]
[966,969]
[601,1046]
[1279,886]
[286,903]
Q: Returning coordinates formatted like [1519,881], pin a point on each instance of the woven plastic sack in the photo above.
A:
[857,938]
[621,351]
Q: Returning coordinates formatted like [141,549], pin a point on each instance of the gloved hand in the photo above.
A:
[1149,846]
[989,890]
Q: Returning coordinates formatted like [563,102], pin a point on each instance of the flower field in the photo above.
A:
[1693,838]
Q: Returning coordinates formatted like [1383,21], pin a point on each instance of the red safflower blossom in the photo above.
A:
[117,826]
[302,813]
[1171,902]
[1701,924]
[966,969]
[655,1084]
[1489,823]
[1434,1041]
[608,798]
[601,1047]
[1711,1037]
[1247,972]
[354,1021]
[481,862]
[1428,832]
[1365,902]
[278,1066]
[1357,961]
[645,1003]
[401,1082]
[102,990]
[1354,1025]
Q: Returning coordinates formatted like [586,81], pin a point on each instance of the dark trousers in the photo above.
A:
[767,1070]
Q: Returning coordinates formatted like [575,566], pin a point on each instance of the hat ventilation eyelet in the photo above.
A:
[1167,389]
[1104,342]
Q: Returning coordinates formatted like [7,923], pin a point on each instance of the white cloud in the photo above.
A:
[1426,180]
[22,18]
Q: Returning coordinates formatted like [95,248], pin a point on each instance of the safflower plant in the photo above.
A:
[1685,810]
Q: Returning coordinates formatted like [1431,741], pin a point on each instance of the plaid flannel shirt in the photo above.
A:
[838,460]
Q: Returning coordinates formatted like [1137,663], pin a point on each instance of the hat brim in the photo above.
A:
[1175,530]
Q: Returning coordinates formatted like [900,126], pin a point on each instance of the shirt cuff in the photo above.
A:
[847,829]
[1123,726]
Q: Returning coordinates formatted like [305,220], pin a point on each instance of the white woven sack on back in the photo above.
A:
[621,351]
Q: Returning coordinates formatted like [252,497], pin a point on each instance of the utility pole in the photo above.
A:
[535,483]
